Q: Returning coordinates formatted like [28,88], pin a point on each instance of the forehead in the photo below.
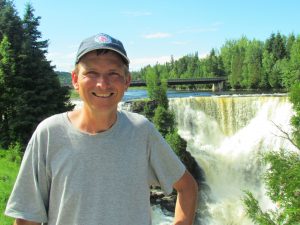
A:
[108,58]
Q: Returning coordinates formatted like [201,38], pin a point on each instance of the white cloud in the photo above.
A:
[157,35]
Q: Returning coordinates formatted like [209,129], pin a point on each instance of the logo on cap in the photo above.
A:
[102,39]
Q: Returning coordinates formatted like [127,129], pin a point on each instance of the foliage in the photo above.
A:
[157,87]
[164,120]
[255,212]
[282,178]
[30,89]
[295,99]
[283,187]
[177,143]
[14,153]
[248,64]
[65,78]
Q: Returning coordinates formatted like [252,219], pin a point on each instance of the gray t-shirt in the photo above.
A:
[68,177]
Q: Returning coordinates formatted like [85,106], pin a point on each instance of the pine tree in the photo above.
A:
[10,25]
[39,88]
[7,72]
[35,92]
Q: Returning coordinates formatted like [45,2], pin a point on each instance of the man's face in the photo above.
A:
[101,81]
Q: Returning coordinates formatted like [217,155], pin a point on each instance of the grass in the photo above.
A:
[9,167]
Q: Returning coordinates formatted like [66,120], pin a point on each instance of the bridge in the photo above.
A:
[217,82]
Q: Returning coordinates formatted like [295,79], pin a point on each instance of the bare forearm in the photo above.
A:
[25,222]
[185,208]
[186,203]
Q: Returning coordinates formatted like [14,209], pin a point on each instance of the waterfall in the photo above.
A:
[226,135]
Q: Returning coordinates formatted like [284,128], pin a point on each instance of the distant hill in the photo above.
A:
[64,78]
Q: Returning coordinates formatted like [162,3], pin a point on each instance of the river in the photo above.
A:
[226,134]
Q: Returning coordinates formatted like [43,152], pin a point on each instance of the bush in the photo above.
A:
[14,153]
[164,120]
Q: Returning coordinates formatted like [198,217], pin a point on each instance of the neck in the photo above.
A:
[92,123]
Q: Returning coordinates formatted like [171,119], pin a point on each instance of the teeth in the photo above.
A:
[102,95]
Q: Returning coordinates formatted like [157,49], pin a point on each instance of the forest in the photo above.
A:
[248,64]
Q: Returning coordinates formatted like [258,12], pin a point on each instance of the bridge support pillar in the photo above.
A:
[217,86]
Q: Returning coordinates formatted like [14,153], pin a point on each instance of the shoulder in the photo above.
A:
[134,120]
[51,122]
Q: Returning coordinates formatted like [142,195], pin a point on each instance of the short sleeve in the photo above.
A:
[29,197]
[165,167]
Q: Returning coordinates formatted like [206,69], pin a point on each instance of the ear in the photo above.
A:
[75,80]
[127,81]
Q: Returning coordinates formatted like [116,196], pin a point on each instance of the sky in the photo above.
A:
[153,31]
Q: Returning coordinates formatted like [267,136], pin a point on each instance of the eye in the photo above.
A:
[114,74]
[91,74]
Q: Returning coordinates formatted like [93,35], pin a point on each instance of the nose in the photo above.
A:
[103,81]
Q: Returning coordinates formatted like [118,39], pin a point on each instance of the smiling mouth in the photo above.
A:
[102,95]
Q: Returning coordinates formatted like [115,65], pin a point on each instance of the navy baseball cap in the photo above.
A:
[101,41]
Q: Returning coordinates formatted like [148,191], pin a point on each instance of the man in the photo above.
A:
[94,165]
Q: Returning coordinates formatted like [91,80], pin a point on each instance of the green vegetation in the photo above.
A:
[74,94]
[157,110]
[282,178]
[160,115]
[248,64]
[9,161]
[65,78]
[29,88]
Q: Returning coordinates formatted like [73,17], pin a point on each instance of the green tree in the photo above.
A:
[227,51]
[289,43]
[252,70]
[156,87]
[276,45]
[295,99]
[213,66]
[35,89]
[7,73]
[268,62]
[10,25]
[164,120]
[294,63]
[177,143]
[282,178]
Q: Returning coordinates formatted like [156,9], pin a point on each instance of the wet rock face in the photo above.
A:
[157,197]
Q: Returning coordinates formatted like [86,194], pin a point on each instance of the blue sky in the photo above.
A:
[152,31]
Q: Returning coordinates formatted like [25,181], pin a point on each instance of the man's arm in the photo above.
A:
[187,192]
[25,222]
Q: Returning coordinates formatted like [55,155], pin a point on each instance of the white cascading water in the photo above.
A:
[225,134]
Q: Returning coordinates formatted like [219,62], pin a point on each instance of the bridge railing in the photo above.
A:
[170,82]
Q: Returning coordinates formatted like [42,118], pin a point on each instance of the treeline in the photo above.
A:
[29,88]
[65,78]
[248,64]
